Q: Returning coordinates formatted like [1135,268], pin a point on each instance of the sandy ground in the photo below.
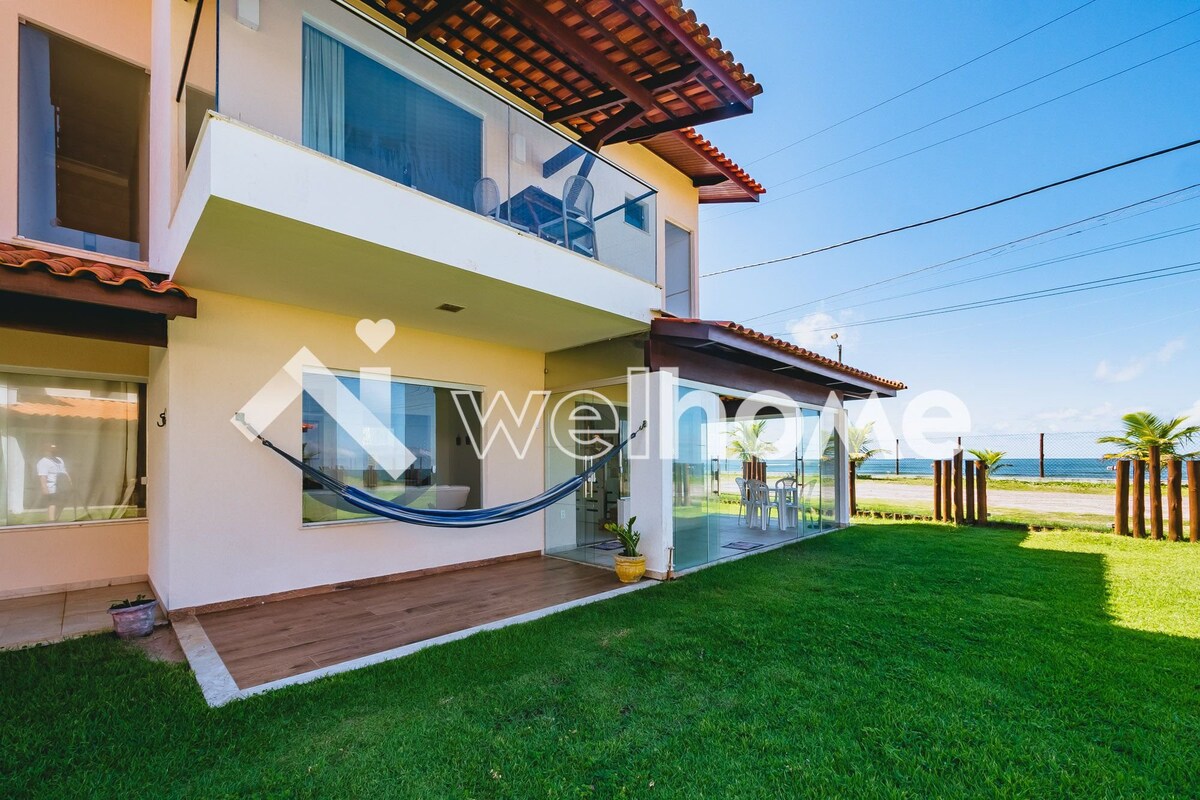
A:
[1054,502]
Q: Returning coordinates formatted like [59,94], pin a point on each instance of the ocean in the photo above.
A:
[1092,469]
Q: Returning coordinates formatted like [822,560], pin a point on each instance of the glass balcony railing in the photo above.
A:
[373,100]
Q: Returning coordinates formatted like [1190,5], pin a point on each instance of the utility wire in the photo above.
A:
[963,212]
[993,249]
[948,139]
[922,84]
[1056,291]
[1091,251]
[973,106]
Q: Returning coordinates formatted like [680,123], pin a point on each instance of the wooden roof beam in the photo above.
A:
[699,53]
[536,14]
[654,129]
[432,18]
[652,84]
[598,136]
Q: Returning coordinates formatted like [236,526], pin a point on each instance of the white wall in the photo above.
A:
[232,515]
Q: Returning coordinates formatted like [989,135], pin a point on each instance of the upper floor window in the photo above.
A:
[367,114]
[679,271]
[636,214]
[82,131]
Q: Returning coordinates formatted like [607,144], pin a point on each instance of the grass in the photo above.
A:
[1015,484]
[1098,523]
[886,660]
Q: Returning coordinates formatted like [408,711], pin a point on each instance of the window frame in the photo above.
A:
[143,432]
[643,206]
[406,379]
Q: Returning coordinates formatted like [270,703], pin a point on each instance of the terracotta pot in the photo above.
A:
[135,621]
[630,569]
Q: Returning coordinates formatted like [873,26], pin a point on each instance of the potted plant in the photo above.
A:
[630,564]
[133,618]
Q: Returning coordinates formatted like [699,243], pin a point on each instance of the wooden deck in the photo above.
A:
[280,639]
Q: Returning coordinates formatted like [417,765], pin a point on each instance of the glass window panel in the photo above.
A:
[346,417]
[70,449]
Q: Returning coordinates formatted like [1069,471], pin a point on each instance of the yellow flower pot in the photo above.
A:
[630,569]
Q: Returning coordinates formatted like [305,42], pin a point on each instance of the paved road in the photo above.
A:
[1054,502]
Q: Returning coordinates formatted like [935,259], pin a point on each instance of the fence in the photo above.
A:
[1028,456]
[1130,519]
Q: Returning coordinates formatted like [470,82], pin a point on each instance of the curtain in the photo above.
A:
[324,94]
[78,436]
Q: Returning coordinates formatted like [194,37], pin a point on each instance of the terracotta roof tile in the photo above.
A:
[70,267]
[797,351]
[77,408]
[700,33]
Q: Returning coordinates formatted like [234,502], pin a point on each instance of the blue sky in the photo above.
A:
[1068,363]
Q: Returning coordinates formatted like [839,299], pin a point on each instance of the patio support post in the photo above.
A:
[1193,480]
[981,483]
[948,490]
[1156,509]
[937,490]
[1174,500]
[969,489]
[1121,517]
[652,398]
[1139,499]
[853,489]
[843,472]
[957,461]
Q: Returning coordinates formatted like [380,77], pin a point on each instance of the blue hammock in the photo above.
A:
[446,518]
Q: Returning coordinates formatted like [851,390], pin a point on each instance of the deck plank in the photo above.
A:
[275,640]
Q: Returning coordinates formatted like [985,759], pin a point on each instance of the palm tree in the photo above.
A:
[1144,431]
[746,442]
[858,450]
[990,459]
[858,441]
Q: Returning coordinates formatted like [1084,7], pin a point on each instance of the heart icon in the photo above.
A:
[375,334]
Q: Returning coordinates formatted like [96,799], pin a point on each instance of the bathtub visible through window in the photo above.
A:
[354,425]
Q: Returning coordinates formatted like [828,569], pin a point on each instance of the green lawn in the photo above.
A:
[1099,523]
[886,660]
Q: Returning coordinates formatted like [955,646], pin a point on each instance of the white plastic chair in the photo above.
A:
[759,505]
[743,508]
[787,502]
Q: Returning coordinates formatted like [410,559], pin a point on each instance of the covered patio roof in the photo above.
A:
[610,70]
[717,177]
[730,354]
[50,293]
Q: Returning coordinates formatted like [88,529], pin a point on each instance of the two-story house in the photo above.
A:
[349,220]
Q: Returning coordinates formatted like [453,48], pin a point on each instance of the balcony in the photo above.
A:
[264,217]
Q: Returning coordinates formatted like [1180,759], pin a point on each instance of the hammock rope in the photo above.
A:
[445,518]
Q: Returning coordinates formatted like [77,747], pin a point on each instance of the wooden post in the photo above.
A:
[1174,500]
[1041,455]
[1121,517]
[1193,476]
[1139,499]
[1156,511]
[897,456]
[947,490]
[937,490]
[969,488]
[853,489]
[981,485]
[959,516]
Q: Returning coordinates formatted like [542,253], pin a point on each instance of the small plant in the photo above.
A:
[140,600]
[626,535]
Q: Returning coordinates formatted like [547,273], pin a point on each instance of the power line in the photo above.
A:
[963,212]
[998,247]
[1057,291]
[923,83]
[956,136]
[973,106]
[1091,251]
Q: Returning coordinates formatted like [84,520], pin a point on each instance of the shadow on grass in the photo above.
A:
[886,659]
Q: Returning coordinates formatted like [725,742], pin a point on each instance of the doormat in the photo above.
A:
[611,544]
[743,546]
